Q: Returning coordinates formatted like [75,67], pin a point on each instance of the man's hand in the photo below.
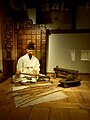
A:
[17,72]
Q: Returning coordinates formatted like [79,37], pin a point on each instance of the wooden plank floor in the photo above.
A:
[75,107]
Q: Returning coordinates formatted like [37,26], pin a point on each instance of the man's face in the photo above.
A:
[30,52]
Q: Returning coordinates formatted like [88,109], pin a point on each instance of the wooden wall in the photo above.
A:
[7,38]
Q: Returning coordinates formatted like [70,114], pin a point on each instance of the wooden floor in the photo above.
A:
[75,107]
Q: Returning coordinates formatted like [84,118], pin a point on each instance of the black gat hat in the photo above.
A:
[31,46]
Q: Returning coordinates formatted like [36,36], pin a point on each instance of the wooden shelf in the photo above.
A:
[37,35]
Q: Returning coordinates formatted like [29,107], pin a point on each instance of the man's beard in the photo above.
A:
[30,56]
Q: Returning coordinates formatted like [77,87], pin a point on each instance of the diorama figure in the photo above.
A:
[28,67]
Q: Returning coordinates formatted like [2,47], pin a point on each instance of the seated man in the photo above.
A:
[27,64]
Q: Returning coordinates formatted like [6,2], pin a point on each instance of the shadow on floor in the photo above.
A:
[69,85]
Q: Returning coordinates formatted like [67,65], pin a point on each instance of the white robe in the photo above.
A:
[26,65]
